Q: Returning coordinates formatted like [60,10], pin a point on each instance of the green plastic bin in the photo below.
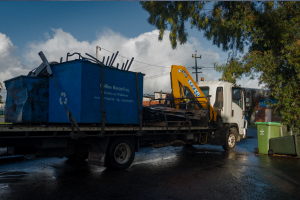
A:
[265,131]
[287,145]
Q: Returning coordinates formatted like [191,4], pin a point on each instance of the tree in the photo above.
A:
[269,29]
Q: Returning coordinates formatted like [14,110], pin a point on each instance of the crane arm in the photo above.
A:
[183,86]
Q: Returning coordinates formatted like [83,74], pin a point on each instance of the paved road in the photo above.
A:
[199,172]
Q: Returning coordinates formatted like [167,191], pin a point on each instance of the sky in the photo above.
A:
[58,28]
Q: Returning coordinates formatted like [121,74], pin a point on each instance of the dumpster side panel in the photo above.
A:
[80,81]
[68,80]
[124,102]
[120,95]
[27,100]
[91,94]
[297,143]
[283,145]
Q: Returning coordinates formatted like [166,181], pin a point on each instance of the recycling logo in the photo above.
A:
[63,98]
[262,132]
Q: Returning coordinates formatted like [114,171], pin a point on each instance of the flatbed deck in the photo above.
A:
[26,131]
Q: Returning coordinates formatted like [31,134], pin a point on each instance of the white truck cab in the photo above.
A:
[228,99]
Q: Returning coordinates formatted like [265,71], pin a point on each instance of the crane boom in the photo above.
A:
[184,86]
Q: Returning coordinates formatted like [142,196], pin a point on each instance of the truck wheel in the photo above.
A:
[231,140]
[120,154]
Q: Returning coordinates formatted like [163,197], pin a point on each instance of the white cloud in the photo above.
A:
[145,48]
[10,64]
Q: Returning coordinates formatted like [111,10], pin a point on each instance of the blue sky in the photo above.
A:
[60,27]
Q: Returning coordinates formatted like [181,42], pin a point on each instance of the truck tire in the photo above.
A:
[120,154]
[231,140]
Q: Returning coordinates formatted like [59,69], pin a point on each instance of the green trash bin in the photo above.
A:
[265,131]
[287,145]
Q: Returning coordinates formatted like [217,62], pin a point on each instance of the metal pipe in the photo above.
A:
[97,52]
[130,63]
[98,61]
[114,58]
[107,60]
[126,64]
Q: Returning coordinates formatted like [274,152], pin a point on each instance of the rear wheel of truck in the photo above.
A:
[231,140]
[120,154]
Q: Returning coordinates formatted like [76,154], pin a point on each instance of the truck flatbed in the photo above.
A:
[54,130]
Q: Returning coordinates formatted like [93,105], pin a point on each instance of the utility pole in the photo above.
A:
[195,56]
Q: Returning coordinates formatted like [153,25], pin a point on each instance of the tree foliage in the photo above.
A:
[269,29]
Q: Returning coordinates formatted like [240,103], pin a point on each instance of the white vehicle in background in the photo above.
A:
[228,99]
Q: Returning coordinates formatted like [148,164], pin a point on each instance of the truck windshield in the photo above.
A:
[205,90]
[237,97]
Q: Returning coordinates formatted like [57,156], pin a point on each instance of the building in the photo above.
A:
[257,108]
[154,99]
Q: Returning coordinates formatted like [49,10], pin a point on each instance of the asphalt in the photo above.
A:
[198,172]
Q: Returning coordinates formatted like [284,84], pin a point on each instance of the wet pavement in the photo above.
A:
[198,172]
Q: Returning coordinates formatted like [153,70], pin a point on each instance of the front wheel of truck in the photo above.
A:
[231,140]
[120,154]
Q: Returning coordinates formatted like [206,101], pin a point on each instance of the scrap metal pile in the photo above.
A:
[156,114]
[160,113]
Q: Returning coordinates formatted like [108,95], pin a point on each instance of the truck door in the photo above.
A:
[238,107]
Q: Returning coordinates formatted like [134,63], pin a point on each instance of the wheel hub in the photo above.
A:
[231,140]
[122,153]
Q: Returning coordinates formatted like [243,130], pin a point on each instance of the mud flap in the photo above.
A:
[96,158]
[220,135]
[97,151]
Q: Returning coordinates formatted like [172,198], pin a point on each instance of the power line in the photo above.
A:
[164,67]
[154,65]
[134,60]
[156,76]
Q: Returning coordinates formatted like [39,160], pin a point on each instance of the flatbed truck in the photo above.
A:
[114,145]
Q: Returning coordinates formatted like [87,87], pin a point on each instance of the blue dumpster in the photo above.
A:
[27,100]
[79,88]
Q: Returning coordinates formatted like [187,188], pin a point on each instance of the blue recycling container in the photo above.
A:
[79,88]
[27,100]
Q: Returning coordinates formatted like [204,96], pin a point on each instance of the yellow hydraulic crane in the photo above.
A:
[184,88]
